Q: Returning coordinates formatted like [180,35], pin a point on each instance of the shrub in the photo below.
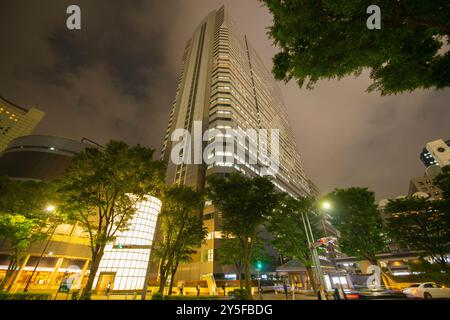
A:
[25,296]
[190,298]
[239,294]
[157,296]
[87,296]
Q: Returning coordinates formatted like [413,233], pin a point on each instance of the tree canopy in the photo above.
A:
[245,203]
[24,218]
[230,253]
[286,225]
[423,224]
[181,230]
[356,216]
[101,188]
[329,39]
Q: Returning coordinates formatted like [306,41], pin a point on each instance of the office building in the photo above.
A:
[436,152]
[225,86]
[425,184]
[16,121]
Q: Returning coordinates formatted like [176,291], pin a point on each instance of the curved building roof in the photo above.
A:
[39,157]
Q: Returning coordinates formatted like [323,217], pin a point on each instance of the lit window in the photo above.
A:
[210,255]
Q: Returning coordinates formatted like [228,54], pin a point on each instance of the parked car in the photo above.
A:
[279,288]
[267,286]
[427,290]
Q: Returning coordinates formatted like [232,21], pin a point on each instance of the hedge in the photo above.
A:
[25,296]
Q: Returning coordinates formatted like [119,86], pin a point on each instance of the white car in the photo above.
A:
[427,290]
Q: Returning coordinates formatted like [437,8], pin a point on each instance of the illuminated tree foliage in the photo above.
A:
[329,39]
[356,216]
[420,224]
[290,239]
[182,231]
[423,224]
[101,188]
[23,219]
[245,204]
[230,253]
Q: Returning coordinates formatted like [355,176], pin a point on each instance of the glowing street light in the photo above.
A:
[50,208]
[326,205]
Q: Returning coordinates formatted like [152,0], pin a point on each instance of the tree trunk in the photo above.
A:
[163,275]
[312,278]
[162,284]
[96,258]
[247,273]
[172,277]
[373,261]
[239,274]
[171,283]
[9,273]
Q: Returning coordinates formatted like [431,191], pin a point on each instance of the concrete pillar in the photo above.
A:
[82,274]
[17,274]
[54,274]
[302,281]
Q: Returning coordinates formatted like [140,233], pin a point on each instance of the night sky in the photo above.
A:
[116,79]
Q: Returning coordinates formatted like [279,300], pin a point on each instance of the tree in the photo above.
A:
[329,39]
[230,253]
[356,216]
[443,182]
[182,231]
[420,224]
[245,204]
[20,232]
[24,219]
[287,227]
[101,188]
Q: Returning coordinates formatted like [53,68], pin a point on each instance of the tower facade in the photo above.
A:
[224,86]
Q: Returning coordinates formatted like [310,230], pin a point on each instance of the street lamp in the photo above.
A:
[315,256]
[327,206]
[51,231]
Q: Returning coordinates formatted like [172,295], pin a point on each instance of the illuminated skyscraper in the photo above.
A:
[16,121]
[224,85]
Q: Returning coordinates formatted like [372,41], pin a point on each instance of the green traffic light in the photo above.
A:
[259,265]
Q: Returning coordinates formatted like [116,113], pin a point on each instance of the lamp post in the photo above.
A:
[327,206]
[50,232]
[314,254]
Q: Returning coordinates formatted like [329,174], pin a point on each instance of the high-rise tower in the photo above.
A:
[224,85]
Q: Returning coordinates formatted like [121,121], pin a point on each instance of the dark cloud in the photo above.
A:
[116,78]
